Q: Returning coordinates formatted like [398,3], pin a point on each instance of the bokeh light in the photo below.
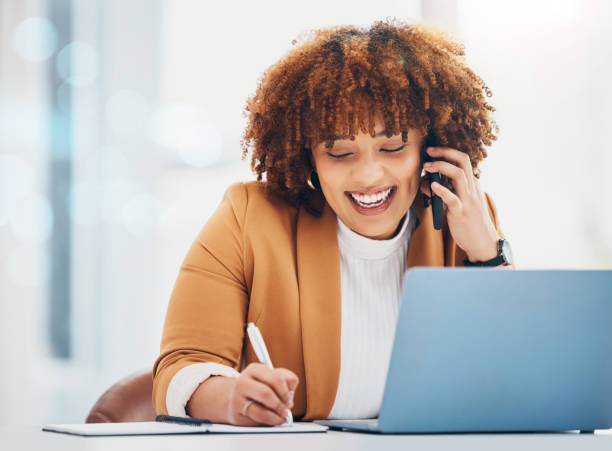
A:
[17,121]
[77,63]
[127,112]
[26,266]
[208,150]
[81,101]
[141,215]
[107,164]
[187,130]
[32,218]
[35,39]
[84,202]
[115,195]
[64,98]
[16,181]
[118,202]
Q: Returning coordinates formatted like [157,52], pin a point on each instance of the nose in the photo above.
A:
[369,170]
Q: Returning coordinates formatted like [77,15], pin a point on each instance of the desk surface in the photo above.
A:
[35,439]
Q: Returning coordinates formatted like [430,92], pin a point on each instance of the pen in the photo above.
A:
[181,420]
[262,353]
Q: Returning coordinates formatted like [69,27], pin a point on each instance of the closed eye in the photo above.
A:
[393,150]
[350,153]
[339,156]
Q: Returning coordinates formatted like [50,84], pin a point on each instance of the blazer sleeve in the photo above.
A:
[205,319]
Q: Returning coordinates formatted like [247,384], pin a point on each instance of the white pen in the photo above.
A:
[262,353]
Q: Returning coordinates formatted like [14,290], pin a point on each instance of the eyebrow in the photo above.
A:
[380,133]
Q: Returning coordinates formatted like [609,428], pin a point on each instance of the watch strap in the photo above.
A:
[495,261]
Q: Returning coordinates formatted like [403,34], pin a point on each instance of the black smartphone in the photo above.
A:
[436,201]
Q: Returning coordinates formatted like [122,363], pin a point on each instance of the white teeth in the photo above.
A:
[371,201]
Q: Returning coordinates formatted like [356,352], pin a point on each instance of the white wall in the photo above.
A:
[548,64]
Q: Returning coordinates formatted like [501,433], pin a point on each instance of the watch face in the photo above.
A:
[507,252]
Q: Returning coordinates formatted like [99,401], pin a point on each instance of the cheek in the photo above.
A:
[326,173]
[331,179]
[409,172]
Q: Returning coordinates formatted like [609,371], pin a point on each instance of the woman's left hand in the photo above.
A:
[467,212]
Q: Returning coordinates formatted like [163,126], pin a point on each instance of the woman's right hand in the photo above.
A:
[270,389]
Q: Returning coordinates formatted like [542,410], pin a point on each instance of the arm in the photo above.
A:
[454,254]
[495,219]
[207,310]
[211,400]
[204,330]
[187,381]
[473,231]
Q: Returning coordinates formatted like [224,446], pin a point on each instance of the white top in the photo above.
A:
[371,273]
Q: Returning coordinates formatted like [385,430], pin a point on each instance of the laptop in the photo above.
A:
[492,350]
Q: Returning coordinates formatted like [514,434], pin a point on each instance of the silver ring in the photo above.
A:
[246,406]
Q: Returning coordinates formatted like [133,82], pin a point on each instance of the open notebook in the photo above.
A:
[157,428]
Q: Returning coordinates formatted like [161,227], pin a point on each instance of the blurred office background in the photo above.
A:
[120,124]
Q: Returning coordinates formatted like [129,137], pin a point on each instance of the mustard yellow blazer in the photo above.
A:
[278,266]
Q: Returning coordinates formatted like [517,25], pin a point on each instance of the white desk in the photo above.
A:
[35,439]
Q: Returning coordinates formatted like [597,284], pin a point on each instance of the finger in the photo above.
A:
[263,415]
[275,378]
[290,377]
[453,203]
[460,159]
[264,395]
[239,419]
[456,174]
[292,382]
[425,189]
[476,185]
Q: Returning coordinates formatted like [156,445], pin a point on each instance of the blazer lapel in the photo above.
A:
[426,243]
[318,267]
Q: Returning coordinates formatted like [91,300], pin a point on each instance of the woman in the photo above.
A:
[315,254]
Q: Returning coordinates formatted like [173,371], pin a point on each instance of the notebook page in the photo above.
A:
[135,428]
[156,427]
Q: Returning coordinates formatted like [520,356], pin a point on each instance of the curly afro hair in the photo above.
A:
[340,79]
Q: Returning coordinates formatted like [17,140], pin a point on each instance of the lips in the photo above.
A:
[370,191]
[370,198]
[369,208]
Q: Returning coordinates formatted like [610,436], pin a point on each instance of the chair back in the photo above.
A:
[128,400]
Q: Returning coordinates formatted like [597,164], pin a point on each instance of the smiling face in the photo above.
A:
[370,183]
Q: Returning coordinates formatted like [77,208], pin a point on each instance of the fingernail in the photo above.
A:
[287,412]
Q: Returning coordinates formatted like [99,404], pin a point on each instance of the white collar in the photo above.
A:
[351,242]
